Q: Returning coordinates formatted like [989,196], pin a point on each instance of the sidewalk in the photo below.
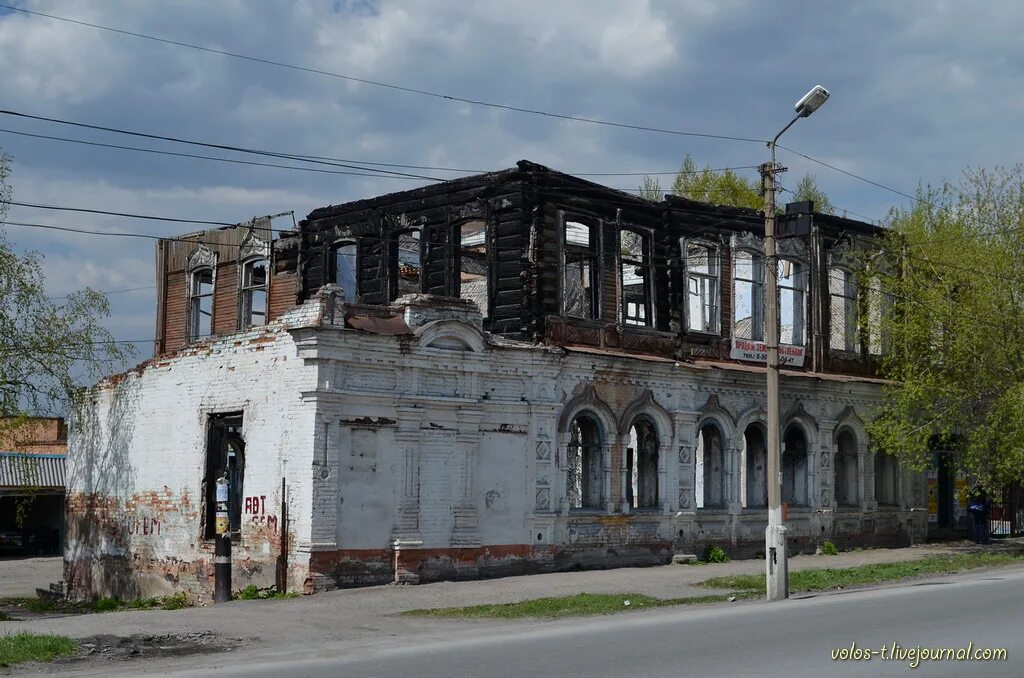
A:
[361,616]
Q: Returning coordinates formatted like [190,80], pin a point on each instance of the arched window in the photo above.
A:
[846,470]
[756,466]
[748,305]
[345,269]
[407,274]
[473,266]
[642,465]
[579,272]
[844,316]
[635,278]
[702,288]
[709,469]
[886,479]
[585,481]
[254,292]
[792,329]
[794,467]
[200,303]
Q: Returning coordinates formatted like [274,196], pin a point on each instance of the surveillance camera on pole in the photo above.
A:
[776,567]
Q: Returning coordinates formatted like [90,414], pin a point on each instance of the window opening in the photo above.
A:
[585,468]
[791,303]
[225,458]
[842,289]
[709,471]
[579,273]
[794,467]
[634,278]
[748,318]
[846,470]
[642,465]
[702,288]
[410,269]
[201,304]
[756,466]
[473,279]
[886,479]
[345,271]
[254,293]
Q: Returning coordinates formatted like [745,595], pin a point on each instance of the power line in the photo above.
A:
[118,214]
[123,291]
[391,86]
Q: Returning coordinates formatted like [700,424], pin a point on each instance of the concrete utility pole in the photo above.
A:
[776,566]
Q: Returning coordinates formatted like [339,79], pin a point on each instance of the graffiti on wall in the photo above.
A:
[256,507]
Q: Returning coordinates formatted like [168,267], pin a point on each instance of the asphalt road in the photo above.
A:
[795,637]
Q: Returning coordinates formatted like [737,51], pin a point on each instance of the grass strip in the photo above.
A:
[579,605]
[16,648]
[824,579]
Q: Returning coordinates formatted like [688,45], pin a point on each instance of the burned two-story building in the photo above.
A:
[513,372]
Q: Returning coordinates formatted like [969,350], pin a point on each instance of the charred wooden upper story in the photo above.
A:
[553,258]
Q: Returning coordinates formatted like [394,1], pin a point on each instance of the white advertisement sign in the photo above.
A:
[757,352]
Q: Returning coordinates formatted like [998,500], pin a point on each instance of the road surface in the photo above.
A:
[795,637]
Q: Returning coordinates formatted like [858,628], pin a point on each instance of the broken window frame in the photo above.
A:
[197,298]
[584,258]
[755,285]
[642,314]
[479,252]
[643,466]
[795,286]
[704,287]
[584,486]
[225,455]
[249,291]
[844,310]
[350,292]
[395,276]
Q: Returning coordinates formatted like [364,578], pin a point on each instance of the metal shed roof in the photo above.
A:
[31,471]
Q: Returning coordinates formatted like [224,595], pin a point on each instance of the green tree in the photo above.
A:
[719,188]
[807,189]
[46,348]
[954,340]
[651,189]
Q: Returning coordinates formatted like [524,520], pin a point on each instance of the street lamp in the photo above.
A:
[776,568]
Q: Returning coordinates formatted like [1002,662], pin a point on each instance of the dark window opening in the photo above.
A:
[473,264]
[886,479]
[634,278]
[579,289]
[225,458]
[345,270]
[756,465]
[585,481]
[846,470]
[642,465]
[200,301]
[794,467]
[254,293]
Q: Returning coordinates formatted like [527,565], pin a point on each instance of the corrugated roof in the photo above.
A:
[22,470]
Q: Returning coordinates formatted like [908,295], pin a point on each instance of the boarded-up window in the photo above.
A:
[847,487]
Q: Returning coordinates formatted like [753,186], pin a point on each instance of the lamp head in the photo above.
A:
[811,101]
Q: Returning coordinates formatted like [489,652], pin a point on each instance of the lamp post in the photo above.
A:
[776,567]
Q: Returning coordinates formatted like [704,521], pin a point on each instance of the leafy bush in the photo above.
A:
[715,554]
[829,549]
[106,604]
[251,592]
[176,601]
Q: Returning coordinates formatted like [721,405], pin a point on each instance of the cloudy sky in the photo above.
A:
[919,91]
